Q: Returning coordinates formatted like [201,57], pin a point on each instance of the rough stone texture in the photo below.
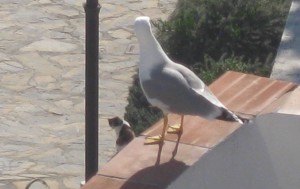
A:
[42,85]
[286,65]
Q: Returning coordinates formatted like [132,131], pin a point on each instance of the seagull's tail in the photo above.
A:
[227,115]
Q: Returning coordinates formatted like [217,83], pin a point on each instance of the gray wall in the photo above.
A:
[262,155]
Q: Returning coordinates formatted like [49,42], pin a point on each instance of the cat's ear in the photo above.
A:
[110,120]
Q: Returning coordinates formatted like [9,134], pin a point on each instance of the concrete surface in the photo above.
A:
[286,65]
[42,85]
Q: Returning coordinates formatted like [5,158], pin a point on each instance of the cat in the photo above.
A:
[124,132]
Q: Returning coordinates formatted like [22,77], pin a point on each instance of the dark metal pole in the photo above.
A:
[92,9]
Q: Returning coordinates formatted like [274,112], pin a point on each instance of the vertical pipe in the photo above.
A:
[92,9]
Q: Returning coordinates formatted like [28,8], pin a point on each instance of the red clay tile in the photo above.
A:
[228,79]
[140,163]
[248,94]
[242,93]
[266,97]
[234,89]
[102,182]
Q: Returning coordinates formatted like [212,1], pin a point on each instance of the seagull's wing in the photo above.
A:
[196,84]
[169,90]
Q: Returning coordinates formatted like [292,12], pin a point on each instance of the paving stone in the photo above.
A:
[38,63]
[75,74]
[42,66]
[61,10]
[49,25]
[44,79]
[34,176]
[72,182]
[34,184]
[136,6]
[54,155]
[16,81]
[111,10]
[49,45]
[120,33]
[64,103]
[10,66]
[69,60]
[4,56]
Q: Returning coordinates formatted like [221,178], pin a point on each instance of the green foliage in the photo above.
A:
[217,68]
[139,112]
[248,28]
[212,37]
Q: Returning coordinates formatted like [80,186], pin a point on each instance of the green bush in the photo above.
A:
[248,28]
[217,68]
[139,112]
[212,37]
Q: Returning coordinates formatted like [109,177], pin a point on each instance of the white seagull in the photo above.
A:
[172,87]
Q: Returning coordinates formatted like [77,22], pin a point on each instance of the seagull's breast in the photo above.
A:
[144,74]
[151,87]
[157,103]
[153,100]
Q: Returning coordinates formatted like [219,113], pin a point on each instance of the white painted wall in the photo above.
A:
[262,155]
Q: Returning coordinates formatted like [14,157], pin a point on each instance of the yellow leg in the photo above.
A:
[159,138]
[176,129]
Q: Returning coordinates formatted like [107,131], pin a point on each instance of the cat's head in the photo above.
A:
[115,122]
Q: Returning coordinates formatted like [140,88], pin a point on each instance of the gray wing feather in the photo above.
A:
[180,93]
[197,84]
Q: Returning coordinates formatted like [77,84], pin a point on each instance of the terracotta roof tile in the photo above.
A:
[148,164]
[99,182]
[137,165]
[248,94]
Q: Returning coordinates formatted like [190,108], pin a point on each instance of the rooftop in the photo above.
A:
[155,167]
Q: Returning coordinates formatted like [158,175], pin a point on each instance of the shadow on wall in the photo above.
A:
[170,171]
[263,154]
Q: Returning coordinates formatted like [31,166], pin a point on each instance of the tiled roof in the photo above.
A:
[245,94]
[248,94]
[154,167]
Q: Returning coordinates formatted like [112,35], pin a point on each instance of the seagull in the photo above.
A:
[172,87]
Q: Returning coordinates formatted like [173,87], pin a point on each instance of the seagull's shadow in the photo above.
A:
[160,175]
[173,153]
[157,176]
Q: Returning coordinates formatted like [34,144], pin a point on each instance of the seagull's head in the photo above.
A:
[142,26]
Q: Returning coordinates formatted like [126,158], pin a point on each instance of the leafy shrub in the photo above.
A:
[217,68]
[248,28]
[212,37]
[139,112]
